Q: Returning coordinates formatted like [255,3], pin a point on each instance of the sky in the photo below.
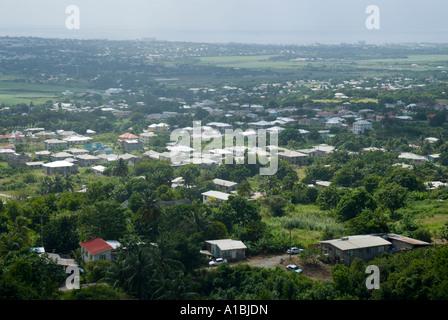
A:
[248,21]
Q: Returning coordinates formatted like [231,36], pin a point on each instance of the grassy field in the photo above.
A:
[12,92]
[310,223]
[250,62]
[423,62]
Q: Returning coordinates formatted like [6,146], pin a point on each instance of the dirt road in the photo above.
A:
[314,271]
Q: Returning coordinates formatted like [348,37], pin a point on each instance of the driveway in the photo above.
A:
[317,271]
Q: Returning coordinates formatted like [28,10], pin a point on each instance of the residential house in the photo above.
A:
[98,249]
[412,157]
[35,165]
[159,128]
[323,150]
[60,156]
[87,160]
[146,137]
[367,247]
[53,144]
[226,248]
[17,160]
[98,170]
[216,195]
[225,185]
[294,157]
[129,145]
[361,126]
[347,249]
[60,167]
[77,151]
[77,140]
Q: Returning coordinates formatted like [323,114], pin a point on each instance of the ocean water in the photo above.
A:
[300,37]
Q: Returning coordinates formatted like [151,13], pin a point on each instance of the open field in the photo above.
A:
[12,92]
[250,62]
[412,62]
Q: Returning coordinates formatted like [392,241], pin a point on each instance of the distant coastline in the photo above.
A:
[280,37]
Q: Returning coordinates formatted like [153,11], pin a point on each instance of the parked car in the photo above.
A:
[293,267]
[217,262]
[294,250]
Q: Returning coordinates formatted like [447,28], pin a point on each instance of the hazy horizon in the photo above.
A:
[246,21]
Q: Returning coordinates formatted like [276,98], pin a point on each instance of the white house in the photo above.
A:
[218,195]
[360,126]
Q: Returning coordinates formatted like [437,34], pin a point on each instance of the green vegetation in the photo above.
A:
[367,186]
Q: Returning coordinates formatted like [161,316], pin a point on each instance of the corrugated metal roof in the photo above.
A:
[228,244]
[96,245]
[407,239]
[357,242]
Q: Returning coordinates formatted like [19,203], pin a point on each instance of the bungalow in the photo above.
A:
[367,247]
[129,158]
[60,167]
[224,185]
[218,195]
[34,165]
[361,126]
[77,140]
[146,137]
[53,144]
[159,127]
[98,249]
[98,170]
[347,249]
[226,248]
[17,160]
[76,151]
[294,157]
[412,157]
[324,150]
[132,145]
[87,160]
[60,156]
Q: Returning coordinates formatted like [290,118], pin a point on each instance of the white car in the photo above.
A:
[217,262]
[293,267]
[294,250]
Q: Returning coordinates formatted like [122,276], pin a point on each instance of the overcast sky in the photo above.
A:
[268,21]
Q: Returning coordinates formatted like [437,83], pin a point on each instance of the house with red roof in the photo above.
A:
[127,136]
[98,249]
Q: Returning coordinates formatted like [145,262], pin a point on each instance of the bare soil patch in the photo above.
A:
[318,271]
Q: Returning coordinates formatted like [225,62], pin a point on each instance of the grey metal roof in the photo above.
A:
[357,242]
[228,244]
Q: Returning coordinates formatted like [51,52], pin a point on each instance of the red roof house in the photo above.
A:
[127,136]
[96,249]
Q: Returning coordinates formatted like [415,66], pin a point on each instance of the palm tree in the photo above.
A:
[137,271]
[163,257]
[148,210]
[120,168]
[244,188]
[58,184]
[18,236]
[46,186]
[68,183]
[198,219]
